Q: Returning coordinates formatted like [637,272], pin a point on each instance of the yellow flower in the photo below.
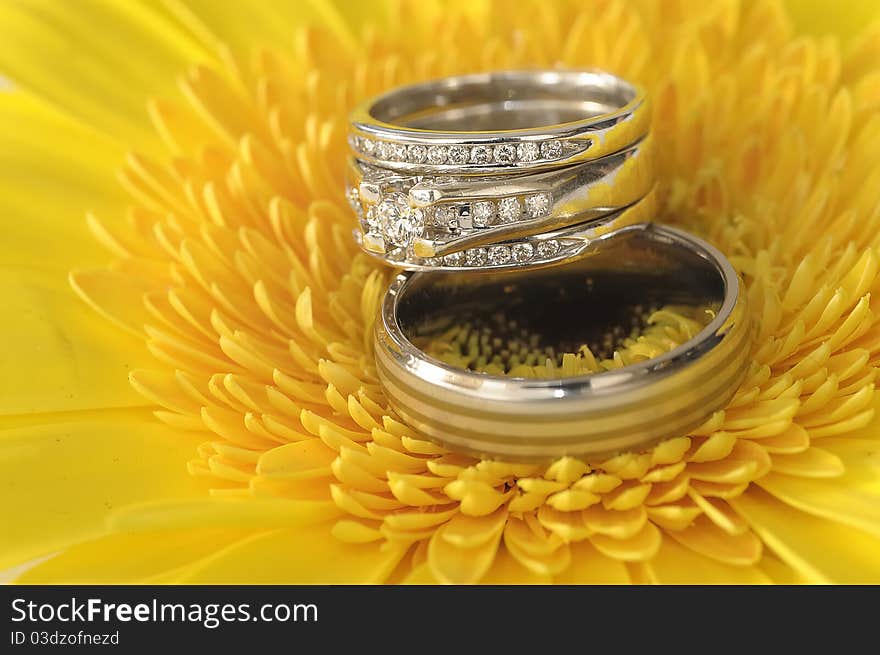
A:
[254,445]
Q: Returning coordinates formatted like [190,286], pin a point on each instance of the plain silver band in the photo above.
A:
[606,413]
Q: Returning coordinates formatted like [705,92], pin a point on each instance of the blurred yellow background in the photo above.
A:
[843,17]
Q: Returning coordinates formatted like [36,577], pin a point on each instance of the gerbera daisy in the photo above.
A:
[211,412]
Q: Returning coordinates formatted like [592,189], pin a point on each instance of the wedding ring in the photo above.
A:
[407,218]
[624,409]
[503,122]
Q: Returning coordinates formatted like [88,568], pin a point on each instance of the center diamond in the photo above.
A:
[400,224]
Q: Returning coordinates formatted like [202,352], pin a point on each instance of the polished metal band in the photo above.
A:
[501,122]
[611,412]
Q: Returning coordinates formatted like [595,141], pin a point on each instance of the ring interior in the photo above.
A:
[570,304]
[504,101]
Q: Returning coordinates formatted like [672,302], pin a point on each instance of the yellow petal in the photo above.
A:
[116,296]
[507,570]
[264,514]
[706,538]
[638,548]
[56,355]
[140,558]
[471,531]
[453,564]
[588,566]
[820,550]
[46,189]
[61,480]
[829,17]
[39,38]
[846,499]
[305,555]
[674,564]
[220,24]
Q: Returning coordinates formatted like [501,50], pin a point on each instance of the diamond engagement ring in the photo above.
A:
[407,219]
[552,246]
[485,170]
[528,419]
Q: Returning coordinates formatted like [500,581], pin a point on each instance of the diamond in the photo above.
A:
[372,224]
[475,257]
[367,146]
[458,154]
[537,205]
[432,261]
[354,201]
[509,209]
[436,155]
[482,213]
[498,255]
[505,153]
[399,225]
[528,151]
[454,259]
[417,154]
[382,150]
[481,154]
[396,254]
[396,152]
[353,197]
[442,215]
[521,252]
[548,248]
[551,149]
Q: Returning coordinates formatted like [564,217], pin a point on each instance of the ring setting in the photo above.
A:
[532,194]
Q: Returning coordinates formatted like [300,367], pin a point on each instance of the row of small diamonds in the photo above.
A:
[500,255]
[459,155]
[485,213]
